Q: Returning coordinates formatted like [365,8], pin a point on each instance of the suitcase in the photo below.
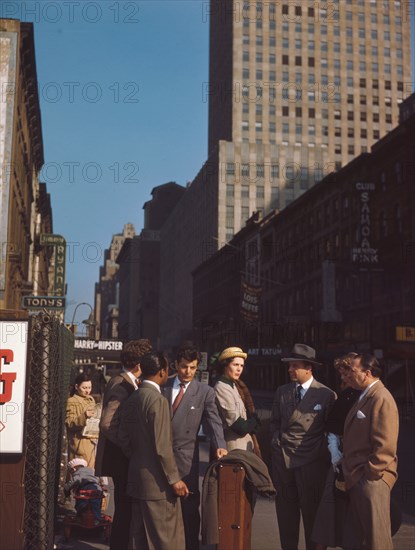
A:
[234,509]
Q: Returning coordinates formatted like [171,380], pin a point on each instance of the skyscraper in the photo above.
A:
[296,90]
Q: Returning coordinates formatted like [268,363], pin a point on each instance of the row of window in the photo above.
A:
[298,61]
[335,47]
[311,11]
[311,131]
[375,34]
[311,27]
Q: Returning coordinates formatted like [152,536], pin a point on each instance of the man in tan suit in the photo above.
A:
[369,446]
[300,459]
[153,478]
[110,460]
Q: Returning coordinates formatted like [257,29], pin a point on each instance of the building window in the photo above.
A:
[260,170]
[260,192]
[230,168]
[285,111]
[285,59]
[230,190]
[298,61]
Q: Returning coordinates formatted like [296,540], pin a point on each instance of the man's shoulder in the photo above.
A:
[201,388]
[284,388]
[322,387]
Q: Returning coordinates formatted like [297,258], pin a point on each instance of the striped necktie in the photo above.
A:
[179,397]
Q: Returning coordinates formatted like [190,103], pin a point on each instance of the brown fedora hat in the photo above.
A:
[302,352]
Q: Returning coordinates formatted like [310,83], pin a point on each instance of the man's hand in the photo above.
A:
[220,453]
[180,489]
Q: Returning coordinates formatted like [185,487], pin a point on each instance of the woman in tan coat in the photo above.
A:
[80,407]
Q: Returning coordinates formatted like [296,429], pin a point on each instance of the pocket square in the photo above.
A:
[359,414]
[192,407]
[318,407]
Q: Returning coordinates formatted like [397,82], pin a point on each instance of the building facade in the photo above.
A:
[139,272]
[106,289]
[336,267]
[25,208]
[296,90]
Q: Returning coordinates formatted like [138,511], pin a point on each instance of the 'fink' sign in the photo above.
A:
[364,253]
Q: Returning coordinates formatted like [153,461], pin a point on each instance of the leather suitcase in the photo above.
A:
[234,509]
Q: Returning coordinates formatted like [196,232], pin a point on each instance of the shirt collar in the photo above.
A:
[367,389]
[306,385]
[153,384]
[227,380]
[176,383]
[131,377]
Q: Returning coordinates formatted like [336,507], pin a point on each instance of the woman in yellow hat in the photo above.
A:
[238,428]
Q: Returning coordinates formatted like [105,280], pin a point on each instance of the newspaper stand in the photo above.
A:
[234,508]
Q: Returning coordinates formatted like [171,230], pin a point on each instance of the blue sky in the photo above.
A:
[122,111]
[121,92]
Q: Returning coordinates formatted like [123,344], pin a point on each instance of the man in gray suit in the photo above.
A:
[153,479]
[192,404]
[110,460]
[300,458]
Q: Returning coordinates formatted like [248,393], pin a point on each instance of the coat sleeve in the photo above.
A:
[75,418]
[160,426]
[110,417]
[384,437]
[212,422]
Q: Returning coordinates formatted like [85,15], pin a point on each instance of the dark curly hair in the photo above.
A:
[133,351]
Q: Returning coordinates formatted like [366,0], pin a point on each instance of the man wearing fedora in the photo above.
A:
[300,459]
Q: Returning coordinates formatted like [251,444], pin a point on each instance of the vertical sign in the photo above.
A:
[364,253]
[8,55]
[13,364]
[59,244]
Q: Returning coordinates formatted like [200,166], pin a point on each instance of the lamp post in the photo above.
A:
[89,322]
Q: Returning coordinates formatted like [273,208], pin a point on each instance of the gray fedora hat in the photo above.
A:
[302,352]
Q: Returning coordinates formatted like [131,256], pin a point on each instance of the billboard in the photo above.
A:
[13,366]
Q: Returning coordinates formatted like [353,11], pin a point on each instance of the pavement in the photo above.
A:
[264,527]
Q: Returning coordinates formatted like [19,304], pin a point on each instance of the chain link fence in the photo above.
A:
[51,355]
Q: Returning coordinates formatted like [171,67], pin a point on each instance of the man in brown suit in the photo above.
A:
[369,446]
[153,478]
[300,458]
[110,460]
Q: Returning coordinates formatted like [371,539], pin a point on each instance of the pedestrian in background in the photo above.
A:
[111,461]
[332,526]
[80,406]
[300,459]
[370,445]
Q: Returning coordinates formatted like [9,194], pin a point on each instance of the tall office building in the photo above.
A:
[296,90]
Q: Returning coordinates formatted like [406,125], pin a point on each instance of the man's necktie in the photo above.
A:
[179,397]
[298,394]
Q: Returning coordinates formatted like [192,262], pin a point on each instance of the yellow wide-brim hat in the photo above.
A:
[229,353]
